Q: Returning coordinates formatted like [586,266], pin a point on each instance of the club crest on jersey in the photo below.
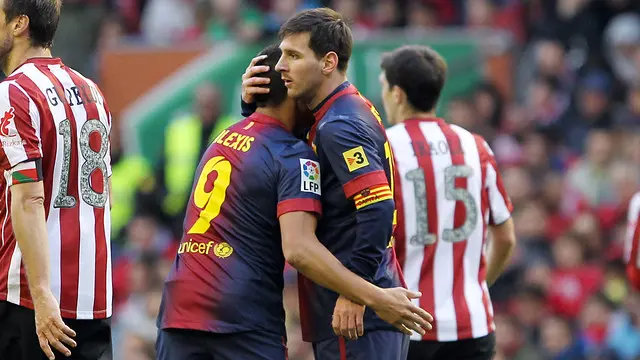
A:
[8,124]
[309,176]
[355,158]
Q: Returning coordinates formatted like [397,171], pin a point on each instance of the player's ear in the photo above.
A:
[329,63]
[399,96]
[19,25]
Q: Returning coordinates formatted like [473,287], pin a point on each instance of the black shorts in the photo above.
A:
[18,339]
[482,348]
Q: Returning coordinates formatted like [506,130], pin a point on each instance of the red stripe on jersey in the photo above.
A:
[399,234]
[633,273]
[364,181]
[47,126]
[463,317]
[22,120]
[423,154]
[100,289]
[300,204]
[69,224]
[484,207]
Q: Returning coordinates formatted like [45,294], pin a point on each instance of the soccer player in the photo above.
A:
[449,192]
[54,247]
[357,187]
[254,204]
[632,242]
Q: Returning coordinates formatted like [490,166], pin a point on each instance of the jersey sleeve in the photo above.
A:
[19,127]
[500,206]
[349,147]
[298,180]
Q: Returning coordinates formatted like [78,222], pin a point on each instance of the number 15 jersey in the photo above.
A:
[54,127]
[448,190]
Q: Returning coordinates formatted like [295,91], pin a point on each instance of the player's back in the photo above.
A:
[632,242]
[58,121]
[228,273]
[447,193]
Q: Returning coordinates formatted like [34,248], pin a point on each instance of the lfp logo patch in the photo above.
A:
[309,176]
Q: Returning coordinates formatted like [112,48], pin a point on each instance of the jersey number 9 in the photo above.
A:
[210,202]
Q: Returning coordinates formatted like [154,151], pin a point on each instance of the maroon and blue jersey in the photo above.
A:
[357,201]
[228,273]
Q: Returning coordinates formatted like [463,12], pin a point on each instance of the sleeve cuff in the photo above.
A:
[365,181]
[247,109]
[299,204]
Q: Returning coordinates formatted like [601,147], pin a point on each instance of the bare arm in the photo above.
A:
[304,252]
[30,228]
[500,248]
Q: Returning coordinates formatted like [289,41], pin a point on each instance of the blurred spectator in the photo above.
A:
[624,334]
[386,14]
[422,16]
[628,116]
[588,180]
[511,341]
[164,22]
[572,281]
[592,109]
[558,342]
[282,10]
[186,139]
[529,307]
[623,40]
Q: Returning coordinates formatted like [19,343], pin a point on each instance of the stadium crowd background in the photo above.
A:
[567,137]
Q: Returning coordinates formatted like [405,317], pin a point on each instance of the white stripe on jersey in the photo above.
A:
[87,273]
[402,145]
[632,223]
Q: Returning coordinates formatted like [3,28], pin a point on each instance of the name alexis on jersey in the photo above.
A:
[234,140]
[75,95]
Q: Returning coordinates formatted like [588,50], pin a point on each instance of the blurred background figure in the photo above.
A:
[554,86]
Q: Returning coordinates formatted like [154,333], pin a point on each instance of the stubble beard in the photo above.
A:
[5,51]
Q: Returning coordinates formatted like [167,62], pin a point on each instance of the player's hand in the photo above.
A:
[50,328]
[251,83]
[348,319]
[396,308]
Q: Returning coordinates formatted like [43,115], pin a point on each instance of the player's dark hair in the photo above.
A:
[419,71]
[277,90]
[43,18]
[328,31]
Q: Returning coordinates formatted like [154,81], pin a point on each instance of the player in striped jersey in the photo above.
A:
[448,194]
[54,155]
[632,242]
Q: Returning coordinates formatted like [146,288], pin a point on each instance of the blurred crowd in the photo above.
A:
[567,140]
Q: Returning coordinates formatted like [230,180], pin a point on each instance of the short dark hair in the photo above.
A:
[43,18]
[277,90]
[419,71]
[328,31]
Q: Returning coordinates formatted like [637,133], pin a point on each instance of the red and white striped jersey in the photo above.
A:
[53,113]
[448,190]
[632,242]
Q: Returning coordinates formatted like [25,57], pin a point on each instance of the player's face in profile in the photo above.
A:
[6,37]
[387,98]
[300,68]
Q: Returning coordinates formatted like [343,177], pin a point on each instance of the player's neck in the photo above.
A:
[20,56]
[412,114]
[283,115]
[327,87]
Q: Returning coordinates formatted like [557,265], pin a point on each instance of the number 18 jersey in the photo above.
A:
[55,127]
[448,190]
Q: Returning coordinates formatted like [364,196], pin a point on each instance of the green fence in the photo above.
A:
[225,64]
